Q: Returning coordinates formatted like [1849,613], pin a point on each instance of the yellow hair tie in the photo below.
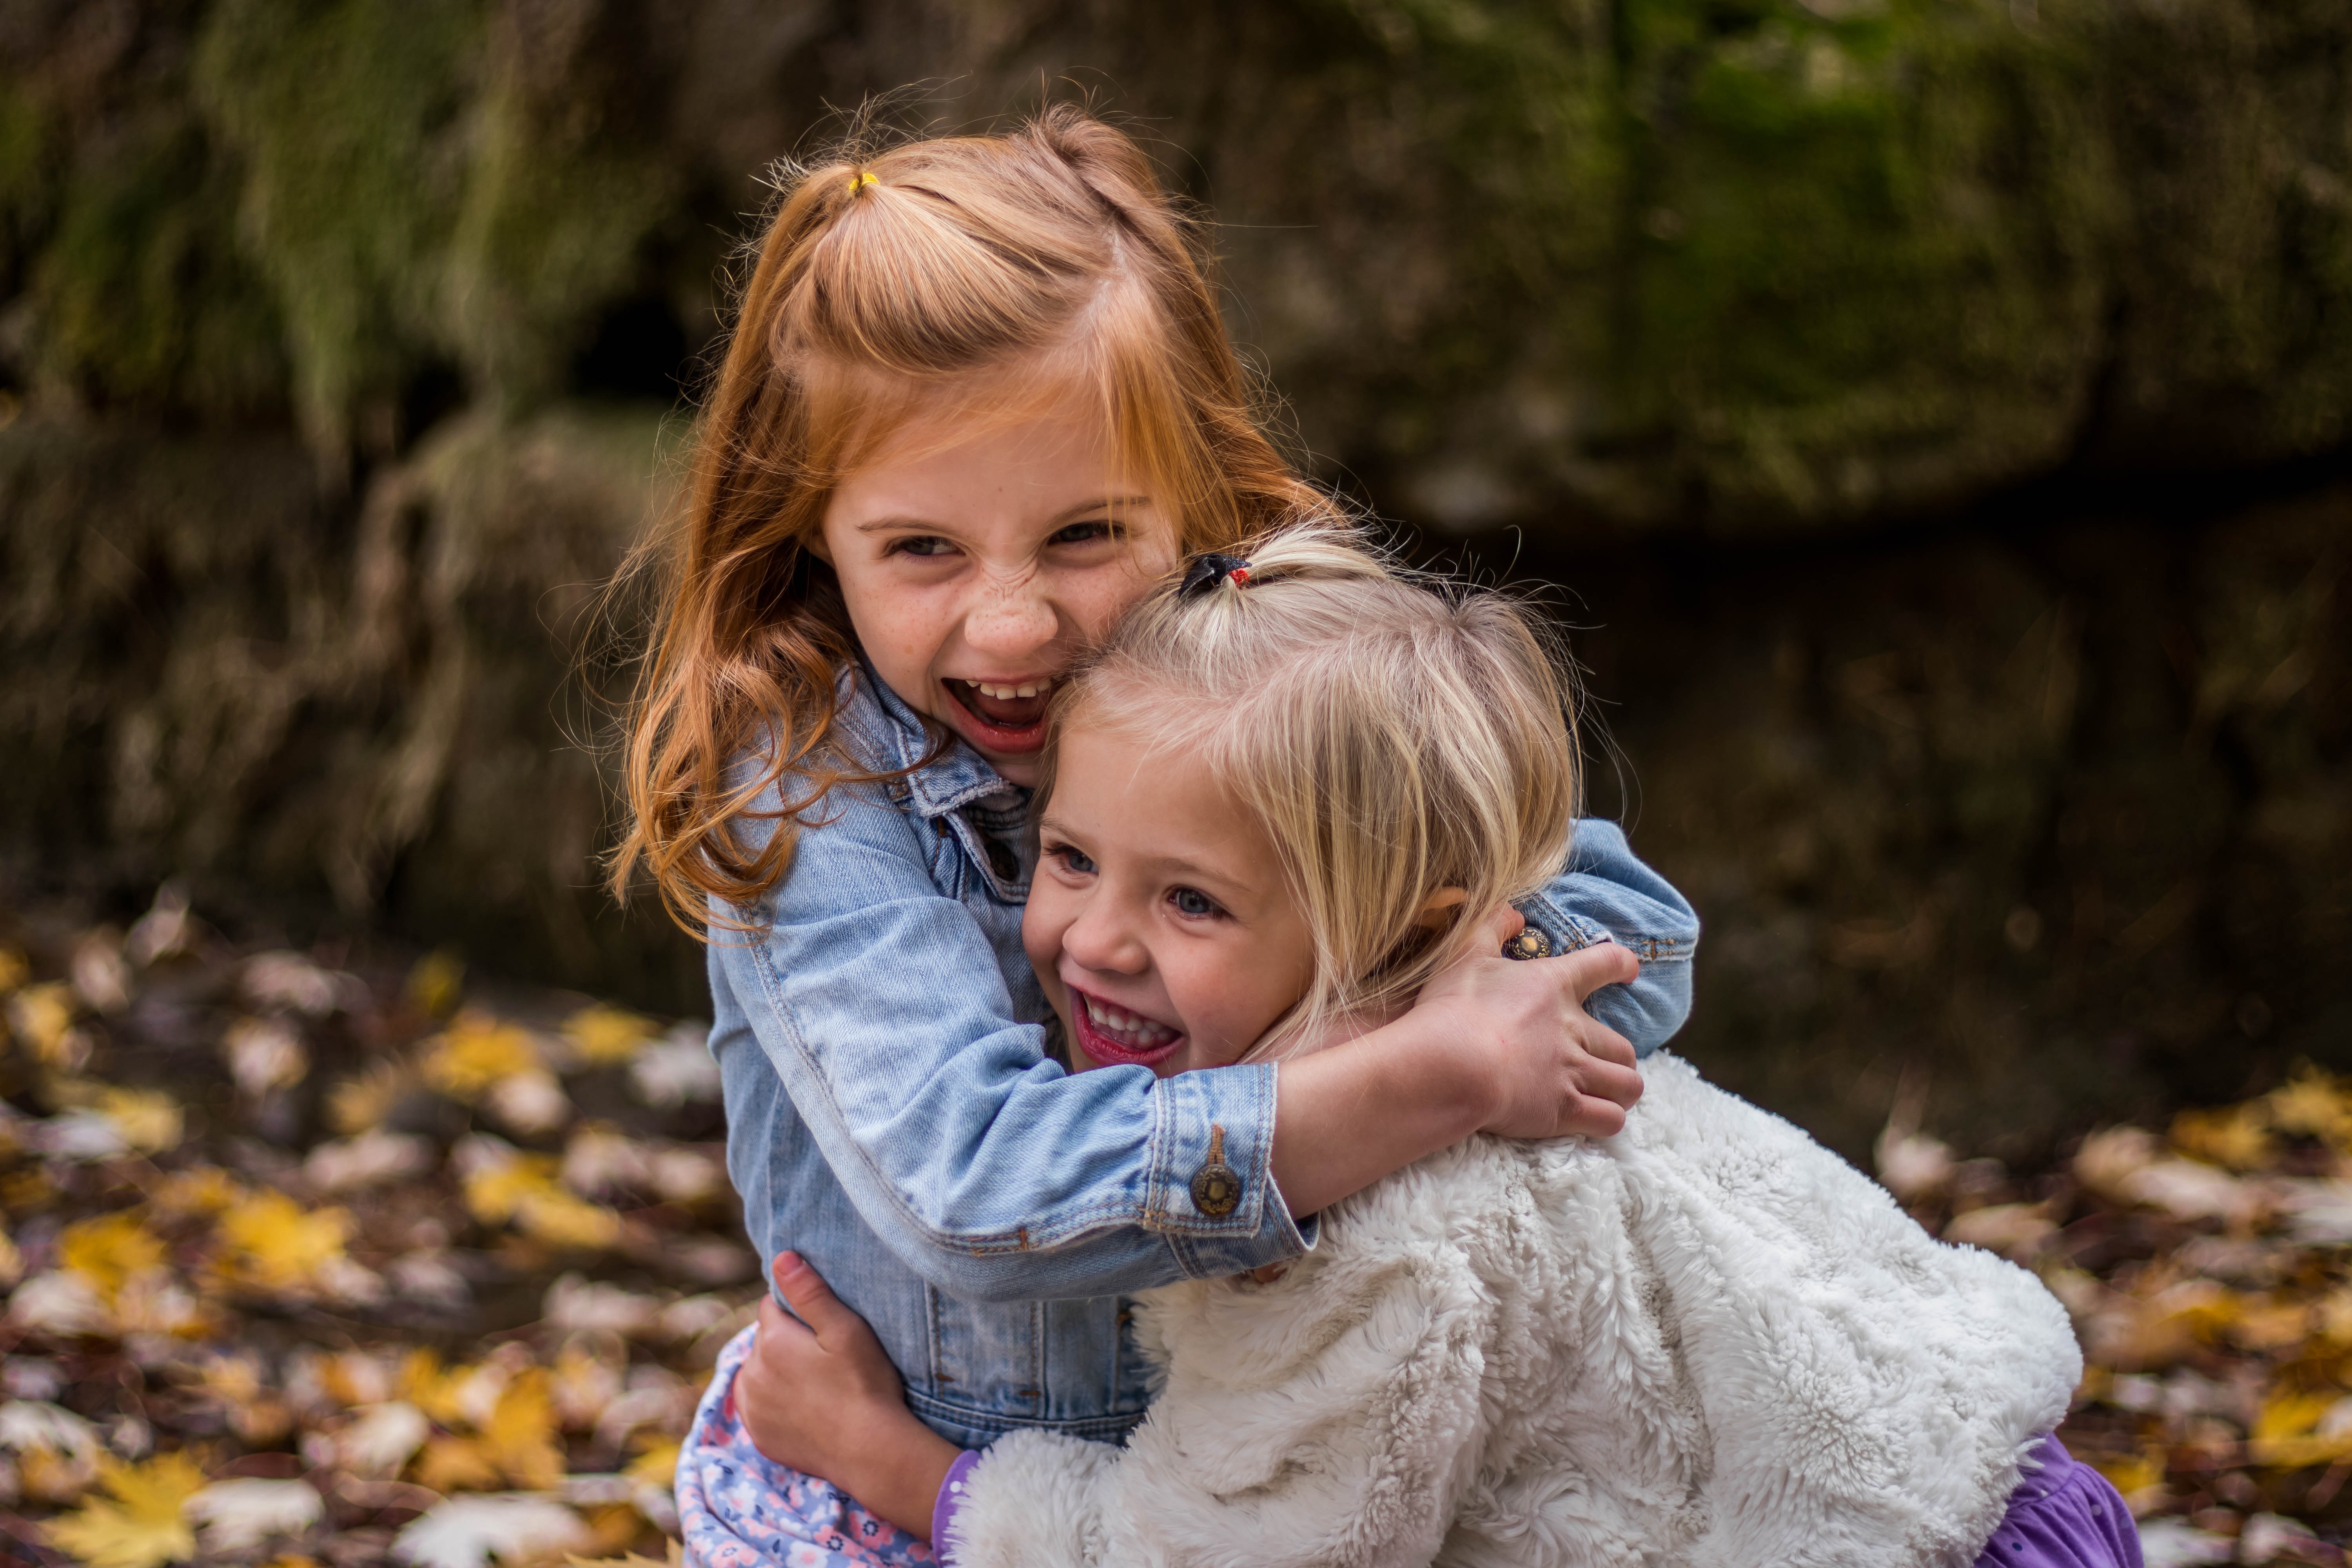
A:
[860,180]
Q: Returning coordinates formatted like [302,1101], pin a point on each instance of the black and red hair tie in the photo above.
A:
[1209,569]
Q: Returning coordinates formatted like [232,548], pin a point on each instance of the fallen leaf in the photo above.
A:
[356,1104]
[436,982]
[143,1527]
[148,1121]
[238,1514]
[274,1242]
[109,1250]
[468,1532]
[475,1052]
[677,1069]
[289,982]
[370,1160]
[42,1019]
[59,1304]
[383,1439]
[607,1037]
[264,1054]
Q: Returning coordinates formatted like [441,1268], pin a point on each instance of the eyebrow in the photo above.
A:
[1060,519]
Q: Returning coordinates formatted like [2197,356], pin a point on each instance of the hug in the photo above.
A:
[1193,1074]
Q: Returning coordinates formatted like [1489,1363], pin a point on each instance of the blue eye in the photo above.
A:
[1086,532]
[1193,903]
[1073,861]
[919,544]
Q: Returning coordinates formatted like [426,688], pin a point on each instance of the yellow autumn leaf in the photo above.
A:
[475,1052]
[14,969]
[496,1190]
[2312,1104]
[276,1243]
[2286,1434]
[449,1464]
[200,1190]
[607,1037]
[42,1018]
[423,1381]
[524,1189]
[143,1527]
[657,1466]
[109,1250]
[2237,1138]
[148,1120]
[2129,1473]
[519,1436]
[436,982]
[560,1219]
[356,1104]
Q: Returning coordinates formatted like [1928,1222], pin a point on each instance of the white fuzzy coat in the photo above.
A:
[1706,1342]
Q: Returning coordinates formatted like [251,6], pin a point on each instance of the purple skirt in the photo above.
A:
[2063,1514]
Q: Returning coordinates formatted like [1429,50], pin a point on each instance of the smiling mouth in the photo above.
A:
[1115,1038]
[1008,712]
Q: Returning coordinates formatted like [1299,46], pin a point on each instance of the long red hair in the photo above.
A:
[880,281]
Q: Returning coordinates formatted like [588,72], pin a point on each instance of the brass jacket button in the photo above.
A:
[1529,944]
[1216,1186]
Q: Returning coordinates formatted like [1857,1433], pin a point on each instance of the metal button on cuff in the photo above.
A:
[1530,942]
[1216,1186]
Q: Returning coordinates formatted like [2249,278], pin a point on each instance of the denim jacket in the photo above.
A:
[892,1114]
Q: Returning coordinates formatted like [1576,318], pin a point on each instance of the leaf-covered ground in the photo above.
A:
[312,1260]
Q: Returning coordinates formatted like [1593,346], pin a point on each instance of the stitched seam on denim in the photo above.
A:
[979,1246]
[1004,1421]
[1582,932]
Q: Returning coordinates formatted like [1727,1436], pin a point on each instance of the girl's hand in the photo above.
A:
[1493,1045]
[1550,1068]
[818,1393]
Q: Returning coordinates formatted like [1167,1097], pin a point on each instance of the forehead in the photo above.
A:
[1155,799]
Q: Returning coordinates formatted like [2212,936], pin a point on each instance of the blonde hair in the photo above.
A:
[1395,735]
[1006,269]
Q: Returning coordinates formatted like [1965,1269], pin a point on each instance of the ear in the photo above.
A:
[817,544]
[1437,912]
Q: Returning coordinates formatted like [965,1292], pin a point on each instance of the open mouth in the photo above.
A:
[1006,718]
[1115,1038]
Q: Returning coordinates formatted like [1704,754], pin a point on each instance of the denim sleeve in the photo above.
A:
[1607,895]
[992,1173]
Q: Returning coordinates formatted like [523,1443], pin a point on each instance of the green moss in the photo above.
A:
[553,224]
[139,294]
[348,118]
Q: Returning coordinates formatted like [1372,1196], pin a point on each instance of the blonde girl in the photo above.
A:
[1271,806]
[977,397]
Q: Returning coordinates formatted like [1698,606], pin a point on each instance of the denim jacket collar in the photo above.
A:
[896,737]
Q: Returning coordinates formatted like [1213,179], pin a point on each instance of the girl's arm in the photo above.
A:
[1346,1455]
[882,1010]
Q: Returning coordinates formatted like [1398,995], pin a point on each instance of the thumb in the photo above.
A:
[812,1299]
[1502,924]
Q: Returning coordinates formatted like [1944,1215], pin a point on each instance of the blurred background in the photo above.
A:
[1937,414]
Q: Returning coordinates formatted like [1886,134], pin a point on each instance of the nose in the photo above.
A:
[1011,620]
[1103,941]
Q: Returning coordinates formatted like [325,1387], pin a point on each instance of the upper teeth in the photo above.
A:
[1111,1020]
[1027,688]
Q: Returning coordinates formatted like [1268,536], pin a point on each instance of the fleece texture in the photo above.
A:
[1707,1343]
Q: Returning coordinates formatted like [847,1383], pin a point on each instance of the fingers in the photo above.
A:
[1604,1044]
[1595,1119]
[1604,963]
[1608,1083]
[813,1301]
[1502,922]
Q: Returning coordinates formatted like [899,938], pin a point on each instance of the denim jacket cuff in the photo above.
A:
[1570,933]
[1211,1191]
